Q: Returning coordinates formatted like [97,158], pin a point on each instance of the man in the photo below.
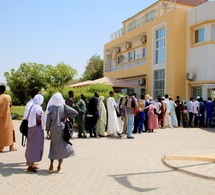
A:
[190,111]
[93,109]
[113,125]
[201,112]
[81,106]
[196,111]
[136,118]
[178,109]
[70,102]
[7,133]
[33,92]
[209,111]
[130,105]
[164,113]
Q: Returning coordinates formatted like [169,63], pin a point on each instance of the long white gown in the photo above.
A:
[113,125]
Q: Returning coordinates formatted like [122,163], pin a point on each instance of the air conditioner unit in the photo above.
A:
[142,81]
[143,39]
[121,58]
[127,45]
[117,49]
[190,76]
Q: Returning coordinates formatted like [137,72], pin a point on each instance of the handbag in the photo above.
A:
[117,112]
[156,111]
[68,131]
[24,129]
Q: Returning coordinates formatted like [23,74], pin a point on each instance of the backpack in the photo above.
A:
[130,102]
[24,131]
[68,131]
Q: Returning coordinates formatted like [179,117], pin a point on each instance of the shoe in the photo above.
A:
[50,169]
[58,170]
[131,137]
[102,136]
[1,149]
[12,149]
[31,169]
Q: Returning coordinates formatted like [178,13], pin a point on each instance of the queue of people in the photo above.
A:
[124,117]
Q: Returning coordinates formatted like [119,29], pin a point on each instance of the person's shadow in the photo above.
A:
[18,168]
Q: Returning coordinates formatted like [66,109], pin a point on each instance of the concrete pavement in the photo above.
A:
[119,166]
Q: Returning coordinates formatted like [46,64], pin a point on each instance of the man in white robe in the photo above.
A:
[113,125]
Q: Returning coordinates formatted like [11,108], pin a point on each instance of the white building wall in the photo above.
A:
[201,58]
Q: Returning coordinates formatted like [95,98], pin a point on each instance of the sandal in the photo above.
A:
[31,169]
[50,169]
[58,169]
[12,149]
[1,149]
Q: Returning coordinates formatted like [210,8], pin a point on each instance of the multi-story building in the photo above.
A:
[201,51]
[151,49]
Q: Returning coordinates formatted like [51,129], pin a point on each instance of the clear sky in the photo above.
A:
[51,31]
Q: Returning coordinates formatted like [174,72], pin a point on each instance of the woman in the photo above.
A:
[141,114]
[173,105]
[35,139]
[7,134]
[102,121]
[152,118]
[56,114]
[120,115]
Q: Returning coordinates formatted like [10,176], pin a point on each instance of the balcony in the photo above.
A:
[125,63]
[161,9]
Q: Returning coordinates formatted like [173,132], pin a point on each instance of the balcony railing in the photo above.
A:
[125,64]
[163,8]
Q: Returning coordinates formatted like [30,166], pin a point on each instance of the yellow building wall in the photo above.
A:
[175,53]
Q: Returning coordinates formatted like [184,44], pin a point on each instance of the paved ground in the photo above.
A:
[117,166]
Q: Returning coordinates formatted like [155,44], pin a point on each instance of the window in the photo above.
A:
[213,32]
[196,90]
[144,52]
[159,83]
[199,35]
[160,52]
[131,55]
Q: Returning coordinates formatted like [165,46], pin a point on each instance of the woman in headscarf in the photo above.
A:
[120,113]
[35,139]
[152,117]
[56,113]
[102,121]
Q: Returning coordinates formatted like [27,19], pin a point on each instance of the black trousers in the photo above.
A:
[190,118]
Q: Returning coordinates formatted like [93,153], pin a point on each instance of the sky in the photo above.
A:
[51,31]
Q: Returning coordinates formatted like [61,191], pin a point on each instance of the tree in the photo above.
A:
[27,77]
[94,69]
[58,76]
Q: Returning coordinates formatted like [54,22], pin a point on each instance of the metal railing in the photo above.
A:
[125,63]
[163,8]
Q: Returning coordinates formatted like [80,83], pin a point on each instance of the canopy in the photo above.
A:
[111,81]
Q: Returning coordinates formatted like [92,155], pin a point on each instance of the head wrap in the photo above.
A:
[36,108]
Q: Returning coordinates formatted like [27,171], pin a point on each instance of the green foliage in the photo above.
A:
[18,111]
[58,76]
[94,69]
[27,77]
[103,90]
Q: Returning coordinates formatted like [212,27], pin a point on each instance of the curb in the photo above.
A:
[187,172]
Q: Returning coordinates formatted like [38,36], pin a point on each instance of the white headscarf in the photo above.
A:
[37,102]
[55,100]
